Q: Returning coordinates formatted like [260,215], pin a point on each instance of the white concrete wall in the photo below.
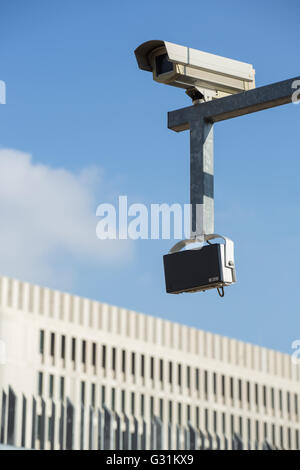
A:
[25,310]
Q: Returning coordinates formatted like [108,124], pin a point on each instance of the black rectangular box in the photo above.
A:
[194,270]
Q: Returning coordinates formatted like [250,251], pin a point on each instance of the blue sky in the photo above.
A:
[83,124]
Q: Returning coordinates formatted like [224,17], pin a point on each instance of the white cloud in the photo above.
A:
[48,222]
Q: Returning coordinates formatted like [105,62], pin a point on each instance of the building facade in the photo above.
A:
[59,345]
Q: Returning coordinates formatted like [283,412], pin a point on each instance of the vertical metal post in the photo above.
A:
[169,436]
[210,441]
[11,420]
[33,430]
[100,430]
[218,442]
[238,443]
[24,415]
[153,435]
[126,434]
[42,425]
[108,429]
[91,428]
[186,439]
[61,426]
[201,168]
[192,437]
[159,434]
[3,417]
[81,426]
[178,437]
[70,426]
[52,427]
[144,436]
[118,433]
[202,176]
[202,440]
[135,435]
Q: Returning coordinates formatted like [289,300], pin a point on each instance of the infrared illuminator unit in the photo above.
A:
[208,267]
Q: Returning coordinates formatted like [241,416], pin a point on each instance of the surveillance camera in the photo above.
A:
[183,67]
[199,269]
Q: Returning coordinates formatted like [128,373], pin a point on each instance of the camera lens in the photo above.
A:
[163,65]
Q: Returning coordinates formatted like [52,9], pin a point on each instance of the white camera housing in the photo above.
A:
[183,67]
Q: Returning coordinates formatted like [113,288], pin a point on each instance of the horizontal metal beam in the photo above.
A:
[265,97]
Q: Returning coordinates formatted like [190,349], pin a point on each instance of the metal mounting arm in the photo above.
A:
[199,119]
